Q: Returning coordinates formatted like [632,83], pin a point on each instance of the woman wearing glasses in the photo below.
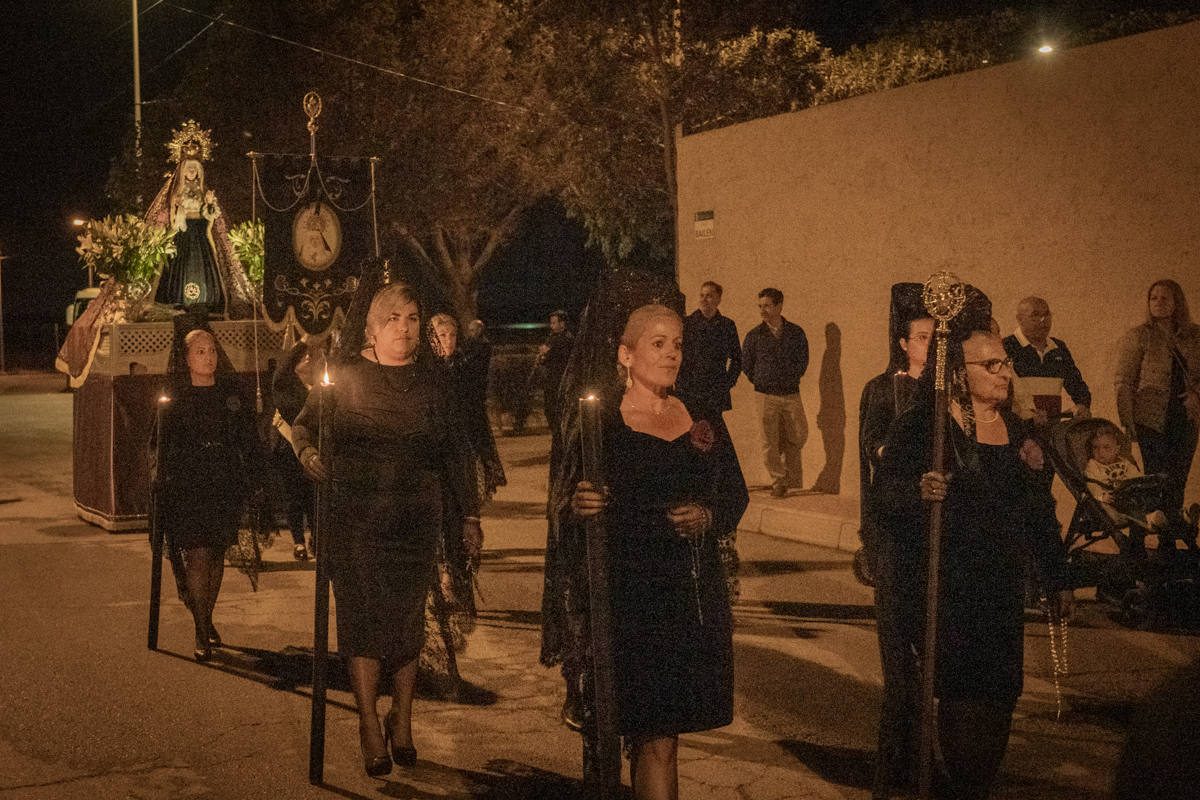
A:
[993,516]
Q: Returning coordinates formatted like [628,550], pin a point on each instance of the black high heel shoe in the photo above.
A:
[375,766]
[203,649]
[402,756]
[214,638]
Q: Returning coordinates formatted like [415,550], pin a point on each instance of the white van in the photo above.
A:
[82,298]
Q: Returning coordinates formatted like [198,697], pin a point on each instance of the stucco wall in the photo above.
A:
[1075,176]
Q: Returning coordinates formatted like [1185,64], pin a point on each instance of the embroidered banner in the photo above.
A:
[318,229]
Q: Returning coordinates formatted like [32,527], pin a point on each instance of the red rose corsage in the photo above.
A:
[702,435]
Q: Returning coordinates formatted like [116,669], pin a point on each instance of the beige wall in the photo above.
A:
[1074,176]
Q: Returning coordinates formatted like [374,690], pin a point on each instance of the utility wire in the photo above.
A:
[126,23]
[393,72]
[181,47]
[152,70]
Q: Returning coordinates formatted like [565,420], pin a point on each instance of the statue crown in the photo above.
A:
[190,141]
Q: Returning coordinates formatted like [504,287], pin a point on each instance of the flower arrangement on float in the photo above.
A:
[247,241]
[129,251]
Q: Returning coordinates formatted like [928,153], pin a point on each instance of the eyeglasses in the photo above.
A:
[993,365]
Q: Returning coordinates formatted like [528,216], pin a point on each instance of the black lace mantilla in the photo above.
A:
[591,369]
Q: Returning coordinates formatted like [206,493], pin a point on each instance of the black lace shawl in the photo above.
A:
[591,369]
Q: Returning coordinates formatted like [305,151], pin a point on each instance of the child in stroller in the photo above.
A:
[1109,474]
[1115,503]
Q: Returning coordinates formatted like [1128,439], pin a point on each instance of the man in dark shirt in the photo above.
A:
[553,357]
[774,358]
[478,350]
[1044,367]
[712,358]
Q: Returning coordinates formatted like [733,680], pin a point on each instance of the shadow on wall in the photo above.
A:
[831,415]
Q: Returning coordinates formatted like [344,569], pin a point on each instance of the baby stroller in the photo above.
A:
[1144,585]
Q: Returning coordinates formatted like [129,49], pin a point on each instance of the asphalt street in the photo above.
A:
[86,711]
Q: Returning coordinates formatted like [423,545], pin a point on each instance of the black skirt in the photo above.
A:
[382,546]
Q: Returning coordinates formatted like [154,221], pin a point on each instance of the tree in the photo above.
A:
[456,169]
[625,89]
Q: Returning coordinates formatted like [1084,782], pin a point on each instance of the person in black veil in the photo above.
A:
[885,397]
[995,516]
[670,486]
[400,474]
[466,365]
[207,451]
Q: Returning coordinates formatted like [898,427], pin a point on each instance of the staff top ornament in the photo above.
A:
[190,142]
[944,295]
[312,110]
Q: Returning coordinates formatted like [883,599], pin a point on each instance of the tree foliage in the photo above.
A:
[480,107]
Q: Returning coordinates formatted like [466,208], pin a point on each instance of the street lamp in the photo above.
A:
[1046,48]
[79,222]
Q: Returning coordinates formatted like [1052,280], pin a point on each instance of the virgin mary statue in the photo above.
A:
[204,271]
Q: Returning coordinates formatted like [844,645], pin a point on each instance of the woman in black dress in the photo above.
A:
[668,486]
[397,464]
[994,517]
[205,449]
[466,365]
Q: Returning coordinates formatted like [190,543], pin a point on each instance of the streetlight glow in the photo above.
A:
[1046,49]
[78,223]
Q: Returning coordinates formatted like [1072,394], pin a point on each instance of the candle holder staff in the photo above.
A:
[666,486]
[963,530]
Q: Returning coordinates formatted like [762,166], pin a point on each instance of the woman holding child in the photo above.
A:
[1158,387]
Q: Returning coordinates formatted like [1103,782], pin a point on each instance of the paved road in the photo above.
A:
[87,712]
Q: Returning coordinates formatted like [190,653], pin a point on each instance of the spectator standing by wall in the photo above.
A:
[1158,387]
[1043,366]
[775,358]
[712,358]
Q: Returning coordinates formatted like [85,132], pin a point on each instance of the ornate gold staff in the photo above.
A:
[944,297]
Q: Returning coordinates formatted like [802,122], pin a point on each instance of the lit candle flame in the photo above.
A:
[325,379]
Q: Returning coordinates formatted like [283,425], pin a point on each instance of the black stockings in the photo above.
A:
[203,569]
[364,680]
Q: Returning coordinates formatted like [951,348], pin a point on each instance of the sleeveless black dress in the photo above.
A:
[673,632]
